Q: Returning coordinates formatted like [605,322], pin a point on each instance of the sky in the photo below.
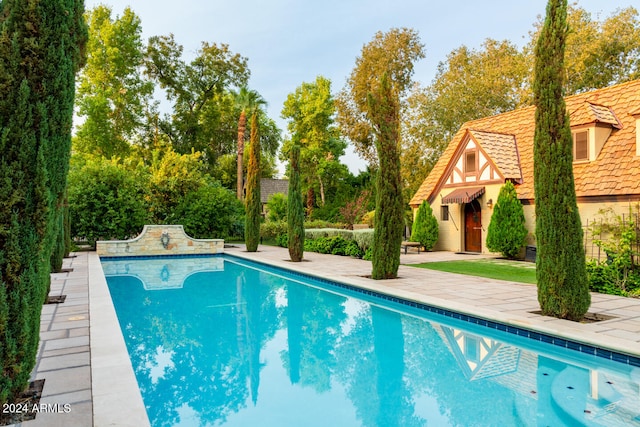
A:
[289,42]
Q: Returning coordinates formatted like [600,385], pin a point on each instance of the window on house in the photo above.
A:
[444,212]
[581,145]
[470,162]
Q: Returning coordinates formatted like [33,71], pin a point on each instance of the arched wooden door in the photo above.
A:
[473,227]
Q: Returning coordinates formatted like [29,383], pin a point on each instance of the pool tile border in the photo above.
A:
[587,349]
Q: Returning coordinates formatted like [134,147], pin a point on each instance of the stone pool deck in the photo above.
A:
[83,359]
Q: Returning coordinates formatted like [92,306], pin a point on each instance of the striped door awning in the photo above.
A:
[463,195]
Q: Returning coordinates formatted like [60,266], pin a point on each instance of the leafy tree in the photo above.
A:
[507,231]
[201,114]
[209,212]
[425,227]
[369,113]
[252,202]
[295,209]
[113,97]
[310,112]
[106,200]
[277,207]
[41,45]
[170,177]
[561,272]
[393,53]
[598,53]
[247,100]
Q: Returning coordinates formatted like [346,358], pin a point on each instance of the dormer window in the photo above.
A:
[581,145]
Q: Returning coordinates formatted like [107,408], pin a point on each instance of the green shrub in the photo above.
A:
[368,218]
[329,245]
[606,279]
[211,212]
[353,250]
[282,240]
[507,232]
[425,227]
[318,223]
[619,275]
[171,176]
[277,207]
[364,238]
[273,229]
[105,202]
[316,233]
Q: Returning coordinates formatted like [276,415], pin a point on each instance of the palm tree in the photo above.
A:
[247,101]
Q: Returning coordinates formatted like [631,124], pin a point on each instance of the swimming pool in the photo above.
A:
[223,341]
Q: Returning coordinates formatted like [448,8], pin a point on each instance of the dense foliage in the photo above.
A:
[507,231]
[113,97]
[295,209]
[277,207]
[394,53]
[106,201]
[210,212]
[561,267]
[113,200]
[617,237]
[425,227]
[41,45]
[310,112]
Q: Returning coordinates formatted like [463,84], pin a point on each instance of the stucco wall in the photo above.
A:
[451,236]
[152,242]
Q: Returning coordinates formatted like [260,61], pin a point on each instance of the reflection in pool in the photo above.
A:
[240,344]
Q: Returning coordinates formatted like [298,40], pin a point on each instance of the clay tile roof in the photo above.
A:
[588,113]
[502,149]
[615,172]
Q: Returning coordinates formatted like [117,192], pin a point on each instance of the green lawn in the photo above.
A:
[515,271]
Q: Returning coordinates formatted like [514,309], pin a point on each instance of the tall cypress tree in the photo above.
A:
[66,36]
[295,208]
[561,272]
[389,219]
[252,200]
[40,51]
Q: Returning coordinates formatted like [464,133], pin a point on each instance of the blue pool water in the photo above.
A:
[218,341]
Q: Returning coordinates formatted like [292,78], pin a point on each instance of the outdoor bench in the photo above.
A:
[407,245]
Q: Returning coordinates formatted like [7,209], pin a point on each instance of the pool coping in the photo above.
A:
[116,396]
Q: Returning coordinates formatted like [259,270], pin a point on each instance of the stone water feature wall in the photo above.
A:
[160,240]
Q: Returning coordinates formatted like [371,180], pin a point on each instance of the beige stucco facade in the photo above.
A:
[451,231]
[452,236]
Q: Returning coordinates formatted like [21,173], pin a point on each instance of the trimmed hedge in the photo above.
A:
[334,241]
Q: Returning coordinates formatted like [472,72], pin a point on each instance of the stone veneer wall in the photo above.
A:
[150,242]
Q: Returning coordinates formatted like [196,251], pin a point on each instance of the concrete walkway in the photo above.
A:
[85,364]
